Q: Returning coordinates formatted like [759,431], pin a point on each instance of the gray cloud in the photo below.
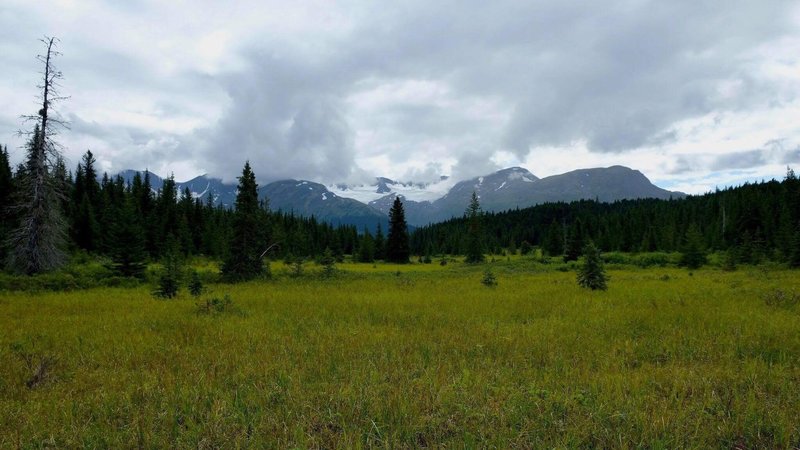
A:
[773,152]
[415,85]
[739,160]
[618,76]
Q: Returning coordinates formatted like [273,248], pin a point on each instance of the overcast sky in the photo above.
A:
[695,94]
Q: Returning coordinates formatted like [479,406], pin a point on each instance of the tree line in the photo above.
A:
[752,222]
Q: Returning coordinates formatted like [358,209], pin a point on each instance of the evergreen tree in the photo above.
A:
[169,281]
[474,253]
[126,245]
[592,274]
[244,261]
[794,251]
[6,195]
[397,246]
[693,255]
[37,243]
[380,244]
[575,242]
[366,249]
[554,242]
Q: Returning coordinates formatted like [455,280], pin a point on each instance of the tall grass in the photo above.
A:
[411,356]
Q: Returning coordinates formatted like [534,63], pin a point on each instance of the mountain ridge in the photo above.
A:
[509,188]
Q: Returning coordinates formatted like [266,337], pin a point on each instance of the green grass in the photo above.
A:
[429,357]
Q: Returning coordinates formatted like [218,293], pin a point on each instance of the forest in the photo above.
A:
[131,223]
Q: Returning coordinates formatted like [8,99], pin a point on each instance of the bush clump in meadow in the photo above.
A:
[195,285]
[170,278]
[328,263]
[217,306]
[489,279]
[592,274]
[779,298]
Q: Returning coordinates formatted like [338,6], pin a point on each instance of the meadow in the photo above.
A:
[411,356]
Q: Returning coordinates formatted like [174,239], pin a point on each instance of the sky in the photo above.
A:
[695,94]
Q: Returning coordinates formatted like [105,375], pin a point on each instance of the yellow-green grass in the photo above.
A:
[429,357]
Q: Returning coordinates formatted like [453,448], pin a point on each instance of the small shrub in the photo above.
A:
[217,306]
[195,285]
[489,279]
[170,278]
[328,263]
[781,299]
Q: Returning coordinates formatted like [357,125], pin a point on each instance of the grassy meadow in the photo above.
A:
[411,356]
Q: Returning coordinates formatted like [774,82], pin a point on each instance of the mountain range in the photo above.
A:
[368,204]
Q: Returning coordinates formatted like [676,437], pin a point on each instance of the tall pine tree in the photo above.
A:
[397,247]
[244,261]
[474,253]
[37,243]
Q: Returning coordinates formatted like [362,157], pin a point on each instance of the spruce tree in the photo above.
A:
[591,274]
[380,244]
[474,253]
[37,243]
[575,242]
[126,245]
[554,241]
[794,250]
[397,247]
[85,202]
[6,195]
[244,261]
[693,255]
[366,248]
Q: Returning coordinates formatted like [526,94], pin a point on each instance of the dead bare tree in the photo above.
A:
[37,244]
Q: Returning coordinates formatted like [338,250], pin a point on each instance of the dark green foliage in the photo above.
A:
[6,195]
[37,243]
[169,280]
[397,246]
[474,253]
[763,216]
[794,249]
[87,201]
[729,260]
[217,306]
[244,261]
[366,248]
[126,245]
[575,242]
[380,244]
[525,248]
[592,274]
[328,263]
[693,254]
[489,279]
[195,285]
[553,244]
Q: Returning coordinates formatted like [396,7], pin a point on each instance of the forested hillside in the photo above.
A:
[757,220]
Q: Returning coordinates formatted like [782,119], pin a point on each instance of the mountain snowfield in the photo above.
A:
[366,205]
[419,192]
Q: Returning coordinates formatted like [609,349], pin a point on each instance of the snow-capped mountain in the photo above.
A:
[416,191]
[369,204]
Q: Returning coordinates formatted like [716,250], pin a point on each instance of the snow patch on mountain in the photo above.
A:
[418,192]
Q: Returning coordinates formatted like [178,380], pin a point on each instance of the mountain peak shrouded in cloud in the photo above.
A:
[692,93]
